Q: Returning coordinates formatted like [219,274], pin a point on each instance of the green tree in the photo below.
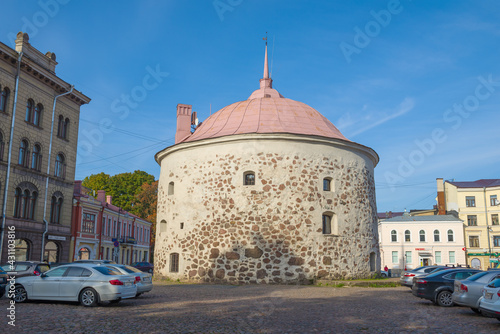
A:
[123,187]
[145,207]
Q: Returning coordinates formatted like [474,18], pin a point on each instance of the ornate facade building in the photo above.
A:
[265,190]
[103,231]
[39,117]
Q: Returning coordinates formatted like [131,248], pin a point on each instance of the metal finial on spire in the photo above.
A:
[266,67]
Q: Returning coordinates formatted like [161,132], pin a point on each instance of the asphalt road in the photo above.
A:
[251,309]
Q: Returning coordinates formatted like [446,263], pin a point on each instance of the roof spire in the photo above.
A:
[266,67]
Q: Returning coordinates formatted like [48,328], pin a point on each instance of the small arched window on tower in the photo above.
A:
[171,188]
[163,226]
[249,178]
[327,184]
[329,221]
[174,262]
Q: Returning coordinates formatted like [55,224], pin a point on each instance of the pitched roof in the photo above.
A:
[482,183]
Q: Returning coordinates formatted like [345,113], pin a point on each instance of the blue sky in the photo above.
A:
[417,81]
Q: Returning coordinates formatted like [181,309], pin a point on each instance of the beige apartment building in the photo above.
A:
[39,116]
[477,204]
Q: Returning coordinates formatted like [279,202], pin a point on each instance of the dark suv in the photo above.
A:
[144,266]
[438,287]
[25,268]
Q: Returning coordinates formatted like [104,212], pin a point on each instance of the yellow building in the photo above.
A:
[477,204]
[39,117]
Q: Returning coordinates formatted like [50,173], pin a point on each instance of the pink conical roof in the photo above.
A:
[266,111]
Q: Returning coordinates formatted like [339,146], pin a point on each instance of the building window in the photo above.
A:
[451,256]
[329,221]
[437,256]
[171,188]
[493,200]
[23,153]
[407,236]
[36,158]
[25,200]
[436,236]
[88,223]
[182,226]
[408,256]
[470,201]
[473,241]
[3,99]
[327,184]
[29,111]
[22,250]
[496,241]
[395,258]
[51,252]
[174,263]
[373,260]
[2,146]
[422,235]
[450,236]
[394,236]
[494,219]
[249,178]
[62,127]
[163,226]
[55,207]
[60,170]
[471,220]
[327,224]
[37,114]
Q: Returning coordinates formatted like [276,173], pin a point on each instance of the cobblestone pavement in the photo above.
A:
[251,309]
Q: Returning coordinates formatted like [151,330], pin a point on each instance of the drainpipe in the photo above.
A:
[48,172]
[487,227]
[6,187]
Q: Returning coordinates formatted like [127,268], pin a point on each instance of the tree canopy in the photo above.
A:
[123,187]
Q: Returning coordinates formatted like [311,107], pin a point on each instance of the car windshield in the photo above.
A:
[105,270]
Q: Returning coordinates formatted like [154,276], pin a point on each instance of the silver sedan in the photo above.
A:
[143,280]
[468,292]
[88,284]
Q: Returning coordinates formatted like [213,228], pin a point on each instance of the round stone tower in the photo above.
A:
[265,190]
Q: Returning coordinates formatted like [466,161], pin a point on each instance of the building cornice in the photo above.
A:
[43,75]
[370,153]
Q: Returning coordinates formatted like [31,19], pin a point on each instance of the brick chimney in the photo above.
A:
[440,197]
[109,198]
[101,196]
[183,122]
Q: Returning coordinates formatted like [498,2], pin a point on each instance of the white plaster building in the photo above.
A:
[266,190]
[413,241]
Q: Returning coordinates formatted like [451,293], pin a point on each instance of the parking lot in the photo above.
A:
[252,309]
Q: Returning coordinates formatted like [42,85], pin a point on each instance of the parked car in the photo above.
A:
[95,261]
[468,292]
[438,287]
[407,276]
[3,282]
[384,273]
[489,303]
[25,268]
[143,280]
[144,266]
[86,283]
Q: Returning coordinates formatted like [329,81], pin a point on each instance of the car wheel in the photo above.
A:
[475,310]
[150,271]
[89,297]
[444,299]
[384,275]
[137,295]
[20,294]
